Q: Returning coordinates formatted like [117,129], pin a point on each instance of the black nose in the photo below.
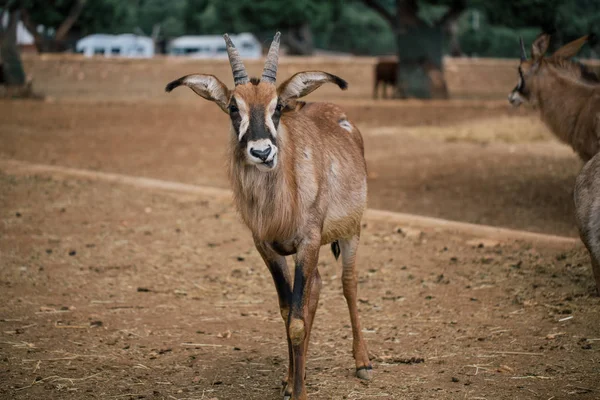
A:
[262,154]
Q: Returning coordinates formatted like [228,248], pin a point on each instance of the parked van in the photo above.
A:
[214,46]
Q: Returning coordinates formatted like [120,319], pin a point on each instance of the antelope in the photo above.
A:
[566,92]
[298,175]
[587,215]
[385,74]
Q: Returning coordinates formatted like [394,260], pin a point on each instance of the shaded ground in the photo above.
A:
[473,161]
[110,291]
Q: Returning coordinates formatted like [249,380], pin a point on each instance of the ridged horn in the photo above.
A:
[240,76]
[270,71]
[523,52]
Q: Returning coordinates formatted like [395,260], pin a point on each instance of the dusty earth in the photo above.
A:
[117,291]
[112,291]
[474,161]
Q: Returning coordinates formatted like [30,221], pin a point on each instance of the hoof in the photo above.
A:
[286,392]
[365,373]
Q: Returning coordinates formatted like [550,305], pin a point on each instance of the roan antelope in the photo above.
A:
[299,181]
[566,92]
[587,211]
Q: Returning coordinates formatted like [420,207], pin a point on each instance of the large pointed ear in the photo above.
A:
[304,83]
[207,86]
[572,48]
[540,46]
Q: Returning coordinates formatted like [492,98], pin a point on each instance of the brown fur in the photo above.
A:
[587,211]
[276,194]
[567,96]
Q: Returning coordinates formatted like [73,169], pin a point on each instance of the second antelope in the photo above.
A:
[566,92]
[299,181]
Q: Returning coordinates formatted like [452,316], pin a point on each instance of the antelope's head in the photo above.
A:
[256,106]
[530,69]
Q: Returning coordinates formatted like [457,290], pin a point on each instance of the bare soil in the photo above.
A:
[110,291]
[113,291]
[472,161]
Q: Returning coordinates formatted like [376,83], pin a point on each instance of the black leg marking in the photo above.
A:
[298,291]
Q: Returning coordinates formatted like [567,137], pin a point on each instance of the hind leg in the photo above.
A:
[596,270]
[348,249]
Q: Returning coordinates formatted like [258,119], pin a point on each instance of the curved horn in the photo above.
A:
[270,71]
[523,52]
[240,76]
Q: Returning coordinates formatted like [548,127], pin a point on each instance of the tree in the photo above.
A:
[12,67]
[418,30]
[57,16]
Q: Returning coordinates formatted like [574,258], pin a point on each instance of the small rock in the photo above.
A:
[454,379]
[143,289]
[72,253]
[18,215]
[482,243]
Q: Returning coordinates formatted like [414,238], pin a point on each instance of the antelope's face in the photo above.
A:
[255,111]
[521,92]
[256,106]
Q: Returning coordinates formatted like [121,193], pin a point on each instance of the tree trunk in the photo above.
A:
[12,67]
[416,45]
[299,40]
[454,43]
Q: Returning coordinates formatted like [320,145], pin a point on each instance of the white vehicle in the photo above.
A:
[126,45]
[214,46]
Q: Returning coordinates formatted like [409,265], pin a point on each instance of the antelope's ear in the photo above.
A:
[540,46]
[207,86]
[304,83]
[572,48]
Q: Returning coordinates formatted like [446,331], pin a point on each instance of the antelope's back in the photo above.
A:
[334,126]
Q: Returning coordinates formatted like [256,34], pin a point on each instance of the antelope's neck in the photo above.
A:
[561,101]
[266,201]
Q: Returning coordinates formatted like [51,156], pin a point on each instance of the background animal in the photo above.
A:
[567,94]
[587,211]
[299,180]
[385,76]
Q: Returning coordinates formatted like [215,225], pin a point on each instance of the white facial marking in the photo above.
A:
[243,107]
[268,117]
[345,124]
[515,98]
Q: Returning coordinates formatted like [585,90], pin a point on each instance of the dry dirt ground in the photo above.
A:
[474,161]
[112,291]
[116,291]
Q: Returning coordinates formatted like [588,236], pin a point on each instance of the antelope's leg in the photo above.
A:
[313,303]
[596,270]
[348,249]
[302,311]
[281,276]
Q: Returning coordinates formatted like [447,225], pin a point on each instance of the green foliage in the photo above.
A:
[503,22]
[339,25]
[495,41]
[358,30]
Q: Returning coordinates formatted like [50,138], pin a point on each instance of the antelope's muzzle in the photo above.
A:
[262,153]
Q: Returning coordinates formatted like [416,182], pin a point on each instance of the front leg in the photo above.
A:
[281,277]
[305,298]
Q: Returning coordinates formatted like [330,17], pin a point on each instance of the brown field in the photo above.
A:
[118,291]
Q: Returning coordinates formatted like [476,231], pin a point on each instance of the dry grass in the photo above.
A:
[499,129]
